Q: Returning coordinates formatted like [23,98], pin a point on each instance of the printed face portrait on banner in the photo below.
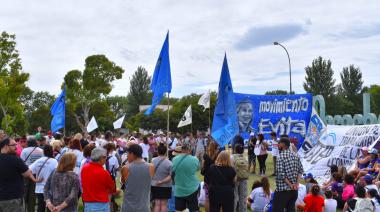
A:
[245,116]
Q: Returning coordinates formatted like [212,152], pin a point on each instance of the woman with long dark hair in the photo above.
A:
[208,160]
[262,153]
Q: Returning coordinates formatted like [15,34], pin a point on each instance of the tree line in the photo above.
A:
[88,94]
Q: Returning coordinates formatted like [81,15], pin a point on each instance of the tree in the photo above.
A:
[352,82]
[138,91]
[319,78]
[37,111]
[118,105]
[93,84]
[12,83]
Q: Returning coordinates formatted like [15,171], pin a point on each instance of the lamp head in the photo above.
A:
[275,43]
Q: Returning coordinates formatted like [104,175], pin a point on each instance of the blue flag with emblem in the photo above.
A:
[57,110]
[162,81]
[225,123]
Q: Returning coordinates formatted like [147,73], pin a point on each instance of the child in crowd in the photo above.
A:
[330,203]
[314,202]
[348,188]
[337,189]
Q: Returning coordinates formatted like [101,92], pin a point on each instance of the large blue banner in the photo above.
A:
[283,114]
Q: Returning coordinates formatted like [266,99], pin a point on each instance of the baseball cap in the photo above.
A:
[373,151]
[308,176]
[252,134]
[368,177]
[364,148]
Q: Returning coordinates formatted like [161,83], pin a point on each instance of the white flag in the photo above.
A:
[117,124]
[205,100]
[187,118]
[92,125]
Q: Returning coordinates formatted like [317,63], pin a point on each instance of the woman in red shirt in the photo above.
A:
[314,202]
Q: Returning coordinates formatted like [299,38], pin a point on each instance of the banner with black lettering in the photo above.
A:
[338,145]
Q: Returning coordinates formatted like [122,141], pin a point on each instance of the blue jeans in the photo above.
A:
[96,207]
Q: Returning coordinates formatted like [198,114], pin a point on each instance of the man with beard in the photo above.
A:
[289,171]
[13,170]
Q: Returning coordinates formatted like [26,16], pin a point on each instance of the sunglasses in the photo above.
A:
[12,144]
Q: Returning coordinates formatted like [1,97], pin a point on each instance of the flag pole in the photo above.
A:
[167,130]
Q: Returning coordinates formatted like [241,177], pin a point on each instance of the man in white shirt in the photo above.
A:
[275,152]
[301,195]
[172,141]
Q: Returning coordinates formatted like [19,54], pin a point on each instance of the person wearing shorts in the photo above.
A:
[185,167]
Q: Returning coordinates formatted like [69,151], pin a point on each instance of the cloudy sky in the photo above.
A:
[55,36]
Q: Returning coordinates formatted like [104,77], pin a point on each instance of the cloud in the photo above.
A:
[358,32]
[265,35]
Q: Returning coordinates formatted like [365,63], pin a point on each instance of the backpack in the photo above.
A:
[363,205]
[241,167]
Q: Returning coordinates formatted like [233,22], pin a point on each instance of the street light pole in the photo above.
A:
[290,67]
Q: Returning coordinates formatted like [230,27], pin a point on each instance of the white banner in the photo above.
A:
[338,145]
[187,118]
[118,123]
[205,100]
[92,125]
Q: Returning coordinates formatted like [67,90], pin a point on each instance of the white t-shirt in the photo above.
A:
[330,205]
[145,148]
[259,199]
[113,164]
[174,144]
[301,194]
[275,151]
[377,204]
[30,154]
[50,165]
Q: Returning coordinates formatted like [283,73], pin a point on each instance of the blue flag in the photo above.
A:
[57,110]
[225,123]
[162,81]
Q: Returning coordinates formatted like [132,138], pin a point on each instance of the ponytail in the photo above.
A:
[375,194]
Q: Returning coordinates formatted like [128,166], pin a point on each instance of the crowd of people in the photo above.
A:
[159,173]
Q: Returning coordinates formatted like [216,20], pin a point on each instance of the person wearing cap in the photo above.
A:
[310,181]
[185,167]
[97,183]
[370,169]
[137,178]
[362,162]
[288,172]
[13,170]
[368,183]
